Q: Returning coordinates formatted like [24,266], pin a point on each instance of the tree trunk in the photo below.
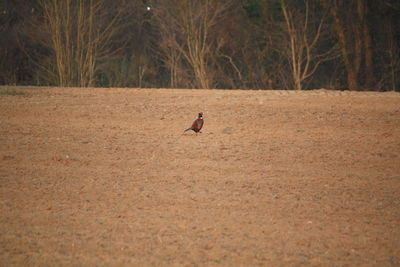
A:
[352,74]
[368,49]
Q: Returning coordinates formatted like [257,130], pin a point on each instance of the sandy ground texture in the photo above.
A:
[106,177]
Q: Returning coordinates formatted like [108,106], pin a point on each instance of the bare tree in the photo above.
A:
[172,57]
[354,35]
[186,27]
[305,32]
[393,54]
[80,33]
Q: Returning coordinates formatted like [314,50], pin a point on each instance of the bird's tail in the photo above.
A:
[188,129]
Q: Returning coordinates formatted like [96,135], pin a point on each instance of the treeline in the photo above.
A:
[228,44]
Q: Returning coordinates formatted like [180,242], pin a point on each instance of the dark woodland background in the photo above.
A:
[228,44]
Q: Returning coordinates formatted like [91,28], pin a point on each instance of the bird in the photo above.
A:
[197,124]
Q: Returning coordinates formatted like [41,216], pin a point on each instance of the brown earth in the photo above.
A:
[106,177]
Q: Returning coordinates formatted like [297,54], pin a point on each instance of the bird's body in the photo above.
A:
[197,124]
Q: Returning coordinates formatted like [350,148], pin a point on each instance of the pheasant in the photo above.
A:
[197,124]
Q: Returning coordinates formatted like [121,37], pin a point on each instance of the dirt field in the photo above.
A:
[106,177]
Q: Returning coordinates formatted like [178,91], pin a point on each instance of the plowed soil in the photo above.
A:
[106,177]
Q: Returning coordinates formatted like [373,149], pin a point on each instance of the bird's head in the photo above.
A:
[200,115]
